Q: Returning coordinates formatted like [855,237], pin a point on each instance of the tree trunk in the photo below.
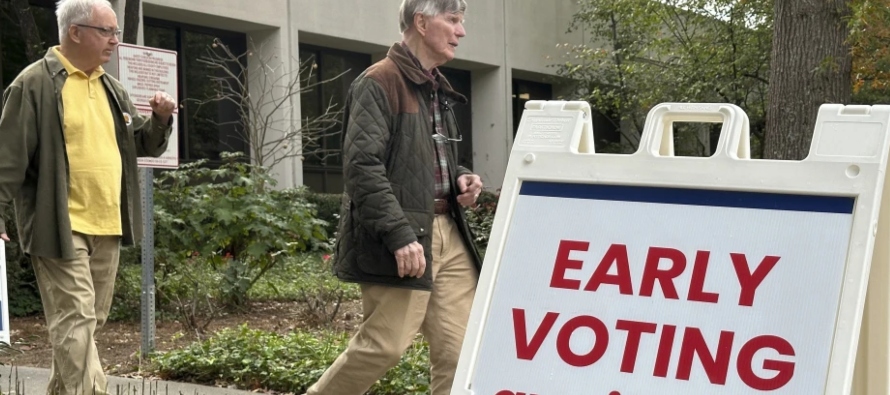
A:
[131,21]
[810,66]
[30,34]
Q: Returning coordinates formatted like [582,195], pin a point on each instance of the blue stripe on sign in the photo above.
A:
[694,197]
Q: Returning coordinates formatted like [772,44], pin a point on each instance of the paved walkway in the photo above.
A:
[33,381]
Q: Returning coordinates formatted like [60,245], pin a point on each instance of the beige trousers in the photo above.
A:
[76,295]
[393,316]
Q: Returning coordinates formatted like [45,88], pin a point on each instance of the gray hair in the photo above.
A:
[70,12]
[427,7]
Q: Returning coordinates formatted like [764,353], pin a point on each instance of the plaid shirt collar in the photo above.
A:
[443,175]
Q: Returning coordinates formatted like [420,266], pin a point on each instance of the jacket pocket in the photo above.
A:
[420,222]
[375,259]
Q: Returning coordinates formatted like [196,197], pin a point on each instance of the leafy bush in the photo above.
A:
[299,274]
[127,302]
[328,207]
[252,359]
[481,217]
[234,220]
[307,279]
[191,292]
[21,285]
[132,255]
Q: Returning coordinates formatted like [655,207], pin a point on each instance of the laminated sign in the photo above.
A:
[650,273]
[4,299]
[144,71]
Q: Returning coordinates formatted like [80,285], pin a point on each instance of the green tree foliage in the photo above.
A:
[870,44]
[639,53]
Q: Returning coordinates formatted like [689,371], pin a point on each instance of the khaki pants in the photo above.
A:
[76,295]
[393,316]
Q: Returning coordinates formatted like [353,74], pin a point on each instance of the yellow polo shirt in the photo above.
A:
[94,160]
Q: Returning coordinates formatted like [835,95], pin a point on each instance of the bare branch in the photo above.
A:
[266,124]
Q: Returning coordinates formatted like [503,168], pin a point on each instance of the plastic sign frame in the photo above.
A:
[554,148]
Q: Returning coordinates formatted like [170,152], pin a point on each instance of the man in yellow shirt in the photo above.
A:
[70,137]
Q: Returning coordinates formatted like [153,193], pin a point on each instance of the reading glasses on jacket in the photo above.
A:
[460,136]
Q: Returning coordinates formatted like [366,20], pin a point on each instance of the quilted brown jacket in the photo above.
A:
[388,157]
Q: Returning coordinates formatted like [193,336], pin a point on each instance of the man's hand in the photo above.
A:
[410,260]
[4,236]
[163,106]
[470,186]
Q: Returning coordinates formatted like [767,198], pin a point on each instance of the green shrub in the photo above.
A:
[132,255]
[296,276]
[328,207]
[191,292]
[127,302]
[481,217]
[234,220]
[253,359]
[307,279]
[21,285]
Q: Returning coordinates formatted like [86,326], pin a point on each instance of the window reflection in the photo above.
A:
[204,130]
[323,165]
[461,81]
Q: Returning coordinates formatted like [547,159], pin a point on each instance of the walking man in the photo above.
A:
[403,234]
[70,137]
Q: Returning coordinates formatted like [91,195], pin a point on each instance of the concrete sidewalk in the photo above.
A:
[33,381]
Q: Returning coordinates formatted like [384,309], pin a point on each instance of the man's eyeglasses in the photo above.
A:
[104,31]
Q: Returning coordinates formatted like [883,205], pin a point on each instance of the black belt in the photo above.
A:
[441,207]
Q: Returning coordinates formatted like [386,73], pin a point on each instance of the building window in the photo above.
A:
[523,91]
[322,164]
[461,81]
[605,124]
[209,129]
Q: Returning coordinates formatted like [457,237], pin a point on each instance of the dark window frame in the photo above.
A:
[535,90]
[237,41]
[462,82]
[330,169]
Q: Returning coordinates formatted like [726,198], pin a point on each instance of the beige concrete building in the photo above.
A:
[505,60]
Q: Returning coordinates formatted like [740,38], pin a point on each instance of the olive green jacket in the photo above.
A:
[34,161]
[388,162]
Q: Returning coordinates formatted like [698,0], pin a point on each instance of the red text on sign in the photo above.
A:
[693,346]
[615,260]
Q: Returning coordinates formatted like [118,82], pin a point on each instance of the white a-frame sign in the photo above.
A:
[651,273]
